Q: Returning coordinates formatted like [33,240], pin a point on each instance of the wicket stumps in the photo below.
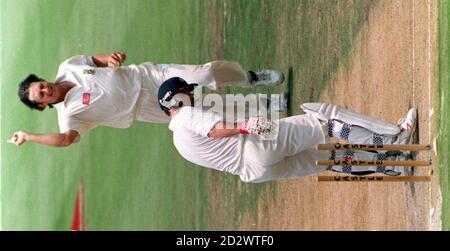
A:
[374,147]
[368,147]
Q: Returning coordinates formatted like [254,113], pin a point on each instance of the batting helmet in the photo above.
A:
[169,88]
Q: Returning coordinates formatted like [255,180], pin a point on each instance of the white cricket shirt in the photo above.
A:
[101,95]
[191,126]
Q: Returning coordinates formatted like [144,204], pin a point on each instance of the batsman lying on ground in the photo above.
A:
[96,90]
[259,150]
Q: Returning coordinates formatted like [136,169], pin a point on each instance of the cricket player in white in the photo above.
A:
[91,91]
[204,138]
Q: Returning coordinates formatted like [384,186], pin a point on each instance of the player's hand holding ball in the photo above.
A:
[18,138]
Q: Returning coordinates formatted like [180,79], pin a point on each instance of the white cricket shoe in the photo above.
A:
[268,78]
[407,126]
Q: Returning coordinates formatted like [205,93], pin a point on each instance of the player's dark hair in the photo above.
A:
[24,92]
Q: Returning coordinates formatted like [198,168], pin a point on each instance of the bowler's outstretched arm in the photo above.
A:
[51,139]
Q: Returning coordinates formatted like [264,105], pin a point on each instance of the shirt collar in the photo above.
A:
[64,103]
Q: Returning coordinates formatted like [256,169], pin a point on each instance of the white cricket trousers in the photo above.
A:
[293,153]
[290,155]
[211,75]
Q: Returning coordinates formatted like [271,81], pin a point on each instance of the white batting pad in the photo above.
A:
[325,112]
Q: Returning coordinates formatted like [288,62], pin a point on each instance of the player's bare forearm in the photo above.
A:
[255,125]
[113,60]
[100,60]
[223,129]
[51,139]
[56,139]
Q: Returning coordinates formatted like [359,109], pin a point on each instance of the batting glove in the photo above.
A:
[256,125]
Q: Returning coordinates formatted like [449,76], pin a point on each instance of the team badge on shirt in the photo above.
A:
[89,71]
[86,98]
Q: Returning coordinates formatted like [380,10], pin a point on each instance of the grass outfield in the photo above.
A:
[134,179]
[444,129]
[131,181]
[135,182]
